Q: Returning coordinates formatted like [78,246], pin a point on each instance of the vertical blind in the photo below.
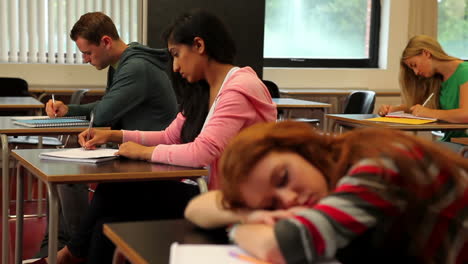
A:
[37,31]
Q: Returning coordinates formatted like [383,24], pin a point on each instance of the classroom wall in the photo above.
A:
[393,34]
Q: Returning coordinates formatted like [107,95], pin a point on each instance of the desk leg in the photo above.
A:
[53,221]
[39,184]
[5,197]
[19,216]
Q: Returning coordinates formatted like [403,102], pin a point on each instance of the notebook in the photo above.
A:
[81,155]
[210,254]
[401,117]
[215,254]
[16,118]
[401,114]
[52,122]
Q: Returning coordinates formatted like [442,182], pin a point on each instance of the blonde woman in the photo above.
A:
[425,70]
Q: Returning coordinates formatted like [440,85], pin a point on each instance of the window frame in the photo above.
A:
[371,62]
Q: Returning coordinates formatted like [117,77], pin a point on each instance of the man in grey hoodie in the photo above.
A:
[139,96]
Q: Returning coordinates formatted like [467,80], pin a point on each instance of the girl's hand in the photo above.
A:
[419,110]
[266,217]
[385,109]
[96,137]
[134,150]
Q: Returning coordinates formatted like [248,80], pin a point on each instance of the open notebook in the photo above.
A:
[401,117]
[45,121]
[215,254]
[81,155]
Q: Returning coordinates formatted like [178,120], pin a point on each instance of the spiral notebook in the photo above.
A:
[52,122]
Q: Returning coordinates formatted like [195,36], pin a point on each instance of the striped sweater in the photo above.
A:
[363,203]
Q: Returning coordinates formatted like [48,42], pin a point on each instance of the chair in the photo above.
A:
[13,87]
[358,102]
[77,96]
[274,92]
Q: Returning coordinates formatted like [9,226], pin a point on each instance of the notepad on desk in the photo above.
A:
[81,155]
[210,254]
[41,121]
[215,254]
[401,117]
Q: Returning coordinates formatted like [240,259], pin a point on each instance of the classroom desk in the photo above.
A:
[53,172]
[146,242]
[7,128]
[21,103]
[336,97]
[359,121]
[289,104]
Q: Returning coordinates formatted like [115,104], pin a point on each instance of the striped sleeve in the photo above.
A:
[352,208]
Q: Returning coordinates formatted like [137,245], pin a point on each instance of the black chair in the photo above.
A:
[275,93]
[360,102]
[13,87]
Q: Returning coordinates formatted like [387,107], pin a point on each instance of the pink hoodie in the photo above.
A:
[243,101]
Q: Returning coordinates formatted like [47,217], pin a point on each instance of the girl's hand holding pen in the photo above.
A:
[419,110]
[96,137]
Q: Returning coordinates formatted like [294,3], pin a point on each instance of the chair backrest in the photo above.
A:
[77,96]
[13,87]
[272,88]
[360,102]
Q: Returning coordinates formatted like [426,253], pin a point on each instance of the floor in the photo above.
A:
[34,227]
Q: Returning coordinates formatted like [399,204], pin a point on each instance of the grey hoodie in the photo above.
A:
[139,94]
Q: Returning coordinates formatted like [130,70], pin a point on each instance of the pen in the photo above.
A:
[53,105]
[247,258]
[427,100]
[90,126]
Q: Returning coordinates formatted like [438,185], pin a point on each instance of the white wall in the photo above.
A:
[394,33]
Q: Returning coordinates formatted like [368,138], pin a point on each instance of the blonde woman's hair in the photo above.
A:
[416,89]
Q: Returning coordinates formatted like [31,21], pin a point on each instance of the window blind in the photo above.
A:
[37,31]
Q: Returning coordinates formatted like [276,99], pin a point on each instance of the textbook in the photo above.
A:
[50,122]
[215,254]
[81,155]
[401,117]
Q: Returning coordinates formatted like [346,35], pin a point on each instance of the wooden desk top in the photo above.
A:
[20,102]
[150,241]
[336,92]
[7,127]
[460,140]
[359,121]
[297,103]
[115,170]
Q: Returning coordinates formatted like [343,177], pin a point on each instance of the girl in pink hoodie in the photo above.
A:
[217,100]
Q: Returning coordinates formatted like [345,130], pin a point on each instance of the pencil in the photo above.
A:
[247,258]
[427,100]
